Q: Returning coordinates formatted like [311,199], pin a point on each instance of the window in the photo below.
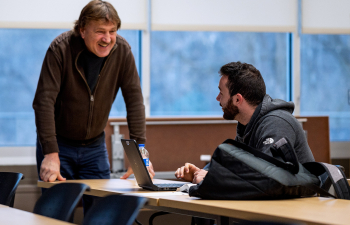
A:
[184,74]
[21,55]
[185,65]
[325,81]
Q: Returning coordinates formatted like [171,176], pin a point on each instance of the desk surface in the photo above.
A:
[303,210]
[104,187]
[313,210]
[14,216]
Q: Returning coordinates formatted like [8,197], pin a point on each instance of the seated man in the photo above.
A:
[261,119]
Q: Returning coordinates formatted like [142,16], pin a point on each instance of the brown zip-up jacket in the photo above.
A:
[64,104]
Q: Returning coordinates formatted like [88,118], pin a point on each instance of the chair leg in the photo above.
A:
[155,215]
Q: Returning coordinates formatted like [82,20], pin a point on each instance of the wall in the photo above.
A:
[171,146]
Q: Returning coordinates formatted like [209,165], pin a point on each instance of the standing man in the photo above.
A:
[261,119]
[81,74]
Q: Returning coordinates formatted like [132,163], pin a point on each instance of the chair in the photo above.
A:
[60,200]
[115,209]
[8,185]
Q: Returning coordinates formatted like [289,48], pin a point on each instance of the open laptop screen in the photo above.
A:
[140,171]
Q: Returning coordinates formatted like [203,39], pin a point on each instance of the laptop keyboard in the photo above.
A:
[168,185]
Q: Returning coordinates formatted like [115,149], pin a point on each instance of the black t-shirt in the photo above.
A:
[92,65]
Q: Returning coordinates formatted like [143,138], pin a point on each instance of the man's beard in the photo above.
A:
[230,110]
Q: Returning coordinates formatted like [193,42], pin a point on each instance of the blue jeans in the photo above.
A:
[83,162]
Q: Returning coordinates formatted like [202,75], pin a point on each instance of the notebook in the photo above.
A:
[140,171]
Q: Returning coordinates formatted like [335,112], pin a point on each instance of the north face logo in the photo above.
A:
[268,141]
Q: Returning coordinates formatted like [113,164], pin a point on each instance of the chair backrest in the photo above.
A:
[8,184]
[115,209]
[60,200]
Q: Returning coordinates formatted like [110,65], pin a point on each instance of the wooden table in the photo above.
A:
[12,216]
[104,187]
[315,210]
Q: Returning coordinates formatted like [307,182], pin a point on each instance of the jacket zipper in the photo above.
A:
[92,99]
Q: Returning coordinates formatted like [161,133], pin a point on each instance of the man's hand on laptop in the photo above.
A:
[187,172]
[199,176]
[130,171]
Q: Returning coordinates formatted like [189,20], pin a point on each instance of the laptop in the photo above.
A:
[140,171]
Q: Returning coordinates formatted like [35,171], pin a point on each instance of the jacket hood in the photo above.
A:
[267,105]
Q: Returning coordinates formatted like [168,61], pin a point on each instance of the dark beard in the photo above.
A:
[230,111]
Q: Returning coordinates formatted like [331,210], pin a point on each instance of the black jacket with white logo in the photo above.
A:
[271,121]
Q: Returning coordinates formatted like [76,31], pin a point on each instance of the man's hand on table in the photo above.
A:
[129,171]
[50,168]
